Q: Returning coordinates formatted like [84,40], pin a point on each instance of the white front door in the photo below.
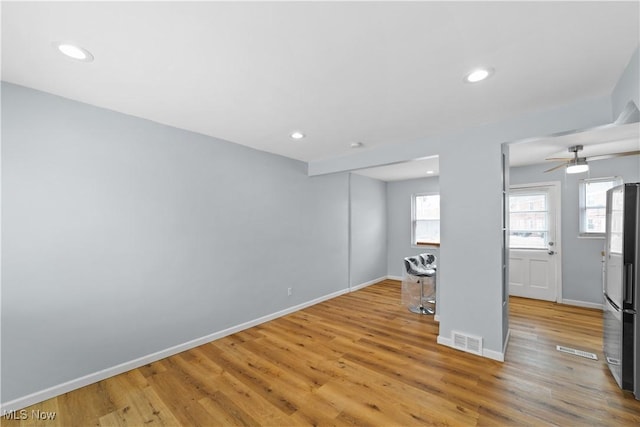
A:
[534,250]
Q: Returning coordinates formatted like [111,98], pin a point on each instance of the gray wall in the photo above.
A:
[581,259]
[122,237]
[368,229]
[399,221]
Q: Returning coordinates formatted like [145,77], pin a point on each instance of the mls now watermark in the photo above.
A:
[34,414]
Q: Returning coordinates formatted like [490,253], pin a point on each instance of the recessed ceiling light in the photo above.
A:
[74,51]
[429,172]
[297,135]
[478,75]
[356,144]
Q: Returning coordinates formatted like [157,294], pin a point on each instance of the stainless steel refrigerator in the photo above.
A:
[621,291]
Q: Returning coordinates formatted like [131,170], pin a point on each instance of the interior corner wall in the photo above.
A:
[368,228]
[581,257]
[122,237]
[399,221]
[470,269]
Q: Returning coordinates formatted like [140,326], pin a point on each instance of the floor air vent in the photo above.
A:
[575,352]
[467,343]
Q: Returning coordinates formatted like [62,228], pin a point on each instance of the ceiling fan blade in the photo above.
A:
[612,155]
[556,167]
[559,159]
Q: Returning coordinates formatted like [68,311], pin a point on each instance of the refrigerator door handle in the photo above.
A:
[627,279]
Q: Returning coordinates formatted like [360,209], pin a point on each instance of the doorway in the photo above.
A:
[534,241]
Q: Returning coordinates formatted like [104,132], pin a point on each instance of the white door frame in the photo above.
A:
[556,198]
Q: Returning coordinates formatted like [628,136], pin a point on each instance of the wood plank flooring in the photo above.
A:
[363,359]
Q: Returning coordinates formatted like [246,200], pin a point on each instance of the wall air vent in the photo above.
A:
[467,343]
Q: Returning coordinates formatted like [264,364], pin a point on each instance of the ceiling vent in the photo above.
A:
[467,343]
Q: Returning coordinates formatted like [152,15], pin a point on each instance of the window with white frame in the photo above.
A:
[425,219]
[593,204]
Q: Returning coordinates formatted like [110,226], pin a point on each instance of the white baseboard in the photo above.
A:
[581,303]
[444,341]
[506,343]
[495,355]
[489,354]
[31,399]
[398,278]
[369,283]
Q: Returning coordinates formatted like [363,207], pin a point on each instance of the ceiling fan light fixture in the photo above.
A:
[578,166]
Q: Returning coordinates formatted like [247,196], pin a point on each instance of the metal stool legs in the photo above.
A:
[421,309]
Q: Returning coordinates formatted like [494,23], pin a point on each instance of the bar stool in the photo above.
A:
[415,270]
[429,262]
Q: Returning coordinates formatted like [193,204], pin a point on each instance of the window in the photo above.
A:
[528,220]
[425,217]
[593,201]
[617,213]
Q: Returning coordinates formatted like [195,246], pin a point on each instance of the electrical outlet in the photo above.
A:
[289,291]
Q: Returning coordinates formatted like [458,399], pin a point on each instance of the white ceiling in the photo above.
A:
[375,72]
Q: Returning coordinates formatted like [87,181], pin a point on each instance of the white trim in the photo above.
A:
[365,284]
[494,355]
[436,317]
[489,354]
[506,343]
[577,303]
[349,236]
[533,184]
[56,390]
[444,341]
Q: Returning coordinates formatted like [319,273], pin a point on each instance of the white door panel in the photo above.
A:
[539,273]
[535,272]
[532,275]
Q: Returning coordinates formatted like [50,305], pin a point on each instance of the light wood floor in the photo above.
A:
[363,359]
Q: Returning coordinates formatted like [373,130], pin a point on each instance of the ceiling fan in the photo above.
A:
[579,164]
